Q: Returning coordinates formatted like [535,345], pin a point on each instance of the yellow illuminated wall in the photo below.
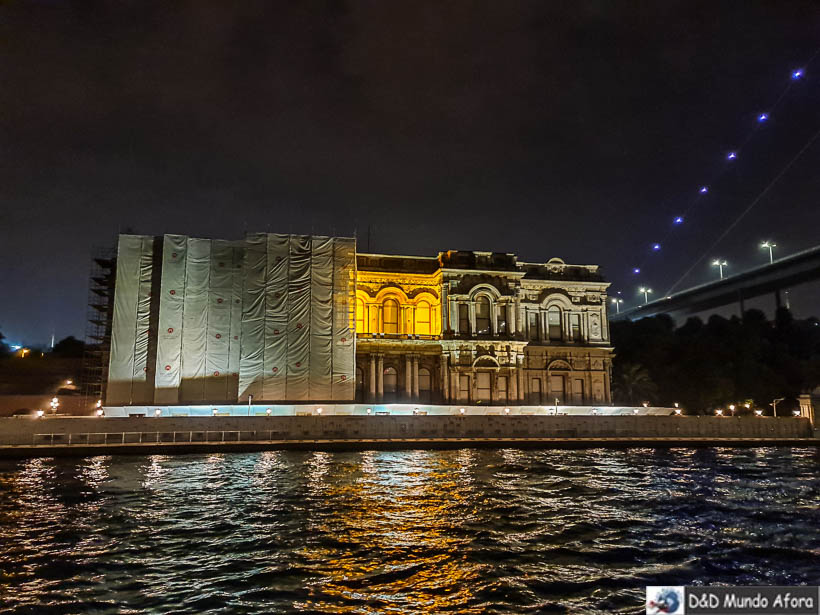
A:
[398,303]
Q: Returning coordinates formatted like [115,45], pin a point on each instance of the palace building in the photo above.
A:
[480,328]
[297,319]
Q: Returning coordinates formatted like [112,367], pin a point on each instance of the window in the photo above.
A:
[554,322]
[482,316]
[423,318]
[502,388]
[575,327]
[391,316]
[464,387]
[482,386]
[533,324]
[425,385]
[502,318]
[360,316]
[463,318]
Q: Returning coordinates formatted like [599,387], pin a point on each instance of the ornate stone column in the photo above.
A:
[520,367]
[408,376]
[445,377]
[380,378]
[415,376]
[372,376]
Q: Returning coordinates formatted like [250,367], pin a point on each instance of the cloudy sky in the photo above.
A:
[572,129]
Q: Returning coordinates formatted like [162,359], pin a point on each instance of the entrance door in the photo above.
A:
[482,386]
[464,387]
[390,384]
[578,392]
[425,386]
[557,389]
[535,392]
[502,389]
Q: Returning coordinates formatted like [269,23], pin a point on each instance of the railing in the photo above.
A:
[154,437]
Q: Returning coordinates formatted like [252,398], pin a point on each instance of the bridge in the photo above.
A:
[736,289]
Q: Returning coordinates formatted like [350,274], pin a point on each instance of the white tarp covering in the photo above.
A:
[297,342]
[199,316]
[128,365]
[251,362]
[344,319]
[271,316]
[171,303]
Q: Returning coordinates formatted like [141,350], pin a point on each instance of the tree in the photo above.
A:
[69,347]
[4,348]
[633,384]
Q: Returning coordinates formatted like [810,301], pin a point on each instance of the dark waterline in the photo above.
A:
[463,531]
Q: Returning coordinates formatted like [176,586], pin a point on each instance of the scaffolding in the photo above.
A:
[98,326]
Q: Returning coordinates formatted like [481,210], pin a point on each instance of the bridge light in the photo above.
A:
[636,270]
[796,74]
[720,265]
[646,292]
[679,220]
[731,155]
[762,117]
[656,247]
[704,189]
[770,246]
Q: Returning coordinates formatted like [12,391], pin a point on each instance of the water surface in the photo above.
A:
[461,531]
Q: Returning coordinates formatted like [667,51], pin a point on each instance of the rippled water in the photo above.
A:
[466,531]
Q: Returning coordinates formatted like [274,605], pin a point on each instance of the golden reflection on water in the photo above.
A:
[392,520]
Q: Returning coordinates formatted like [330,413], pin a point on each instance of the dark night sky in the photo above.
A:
[571,129]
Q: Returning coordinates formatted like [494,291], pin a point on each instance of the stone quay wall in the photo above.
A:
[75,431]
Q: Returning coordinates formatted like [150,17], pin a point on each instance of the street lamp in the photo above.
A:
[774,404]
[719,412]
[646,292]
[617,303]
[732,409]
[720,264]
[769,245]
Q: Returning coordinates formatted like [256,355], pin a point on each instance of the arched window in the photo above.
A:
[423,318]
[425,385]
[390,383]
[391,316]
[482,316]
[554,322]
[360,320]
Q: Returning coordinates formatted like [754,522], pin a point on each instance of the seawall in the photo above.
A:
[147,435]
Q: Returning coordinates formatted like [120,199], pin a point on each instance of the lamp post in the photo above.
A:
[646,292]
[769,245]
[617,303]
[720,264]
[774,404]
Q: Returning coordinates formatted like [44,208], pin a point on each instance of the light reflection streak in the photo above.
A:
[393,523]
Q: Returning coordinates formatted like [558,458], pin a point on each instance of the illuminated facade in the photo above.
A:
[480,328]
[293,318]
